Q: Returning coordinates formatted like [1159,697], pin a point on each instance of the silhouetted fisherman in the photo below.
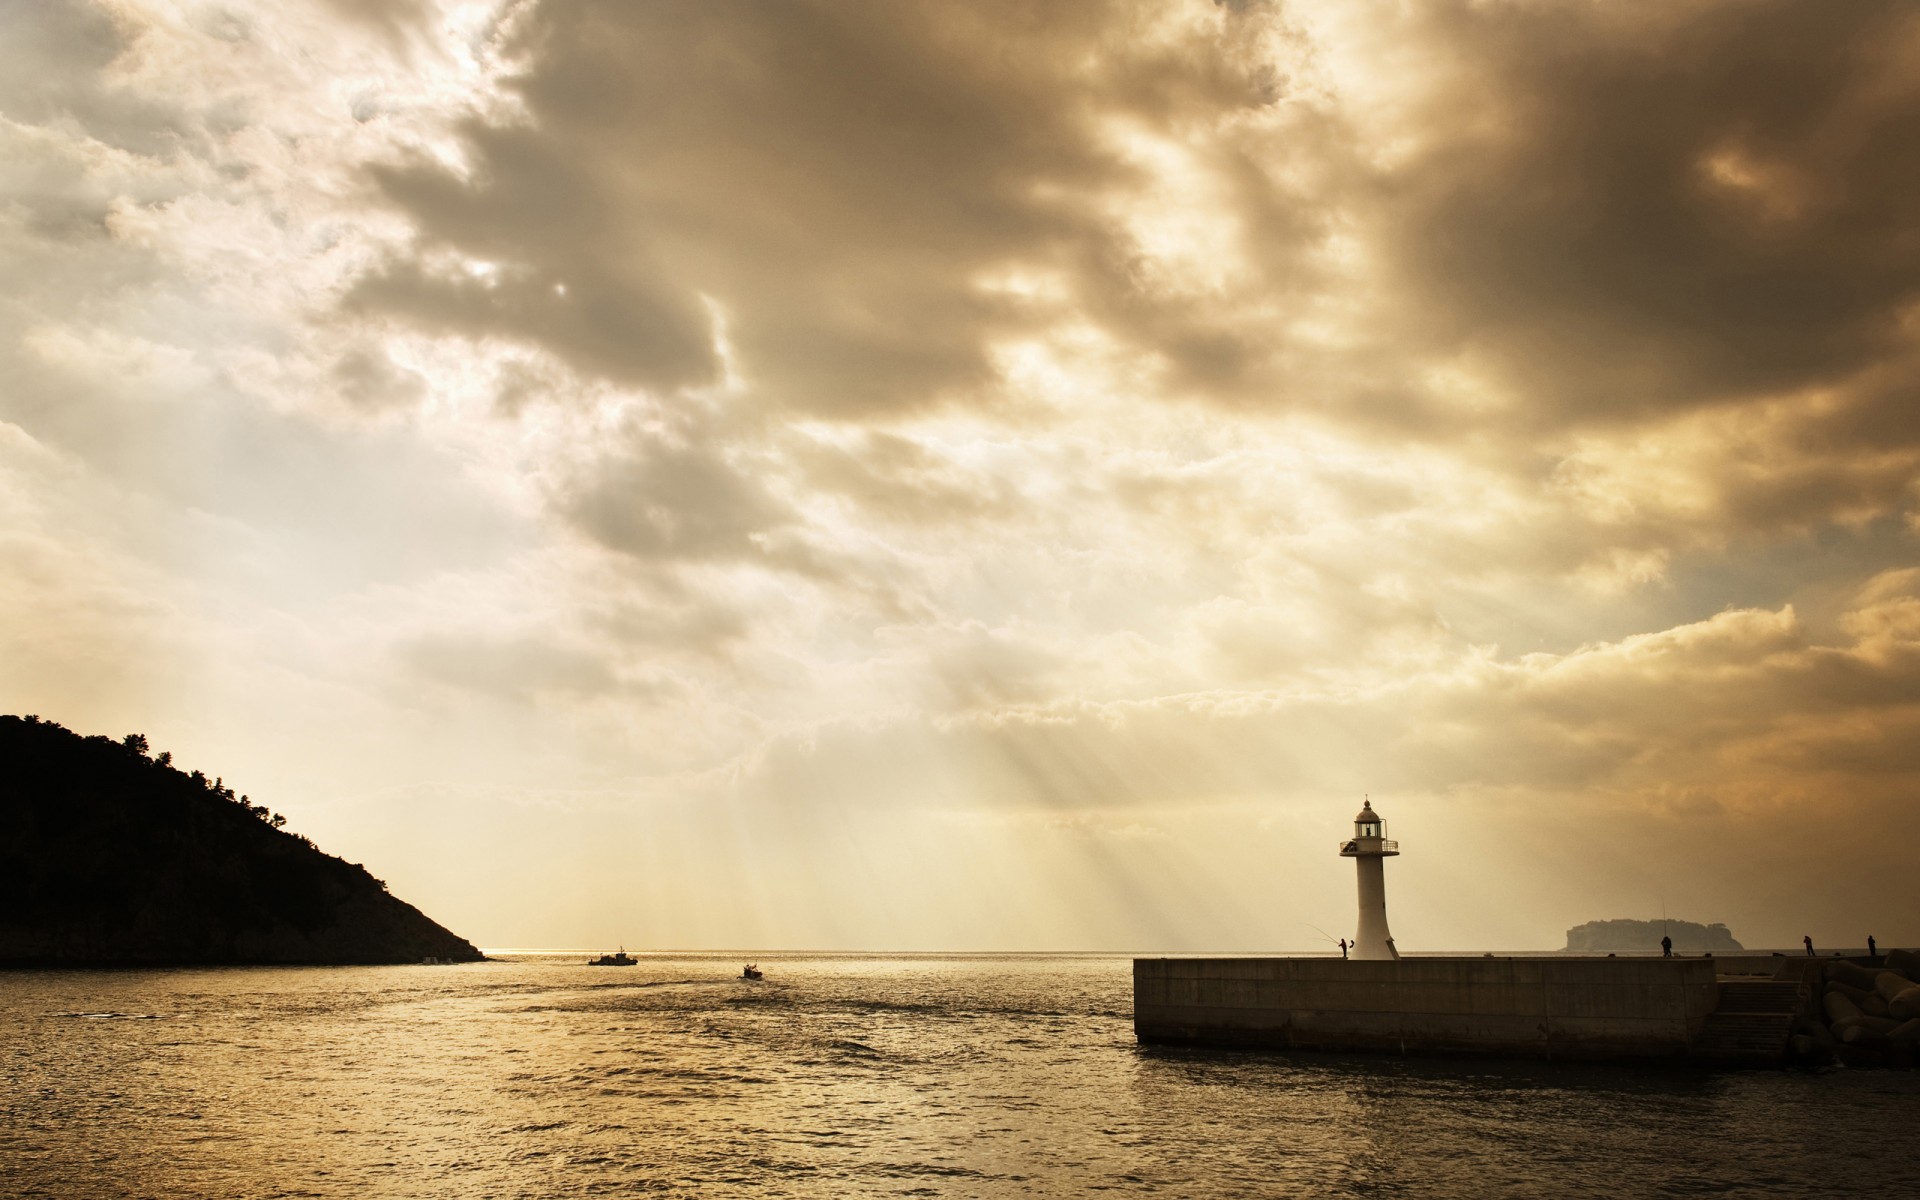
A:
[1666,947]
[1809,941]
[1873,951]
[1343,947]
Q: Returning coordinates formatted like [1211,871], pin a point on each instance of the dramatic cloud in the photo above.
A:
[718,464]
[1661,206]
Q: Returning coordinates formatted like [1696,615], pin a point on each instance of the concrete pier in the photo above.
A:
[1540,1007]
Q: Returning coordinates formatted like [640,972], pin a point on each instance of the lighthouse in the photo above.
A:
[1370,849]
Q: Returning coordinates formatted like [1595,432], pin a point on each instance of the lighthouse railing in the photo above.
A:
[1352,846]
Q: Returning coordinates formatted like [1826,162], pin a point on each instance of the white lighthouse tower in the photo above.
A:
[1370,848]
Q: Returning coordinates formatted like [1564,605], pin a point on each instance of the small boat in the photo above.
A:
[750,972]
[621,959]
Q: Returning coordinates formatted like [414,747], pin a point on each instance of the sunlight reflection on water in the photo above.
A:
[836,1076]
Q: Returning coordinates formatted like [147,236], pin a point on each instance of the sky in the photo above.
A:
[865,475]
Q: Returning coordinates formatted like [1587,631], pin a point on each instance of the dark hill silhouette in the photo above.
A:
[108,856]
[1643,937]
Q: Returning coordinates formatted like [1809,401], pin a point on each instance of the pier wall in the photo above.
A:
[1571,1008]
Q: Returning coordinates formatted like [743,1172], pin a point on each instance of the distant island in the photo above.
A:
[1643,937]
[112,856]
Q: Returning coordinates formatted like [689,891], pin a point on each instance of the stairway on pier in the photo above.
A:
[1752,1021]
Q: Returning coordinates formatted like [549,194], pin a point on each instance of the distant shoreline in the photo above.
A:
[522,953]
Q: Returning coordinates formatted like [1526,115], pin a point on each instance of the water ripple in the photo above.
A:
[839,1076]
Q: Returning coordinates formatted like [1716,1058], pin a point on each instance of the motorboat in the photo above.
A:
[619,959]
[751,972]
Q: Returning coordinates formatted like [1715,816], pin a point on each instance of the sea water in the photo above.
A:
[836,1076]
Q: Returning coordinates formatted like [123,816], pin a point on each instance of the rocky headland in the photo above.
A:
[1643,937]
[111,856]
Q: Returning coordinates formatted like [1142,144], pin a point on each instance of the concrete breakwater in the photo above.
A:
[1868,1014]
[1540,1007]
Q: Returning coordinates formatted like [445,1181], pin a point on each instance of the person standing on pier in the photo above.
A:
[1343,947]
[1873,951]
[1666,947]
[1808,939]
